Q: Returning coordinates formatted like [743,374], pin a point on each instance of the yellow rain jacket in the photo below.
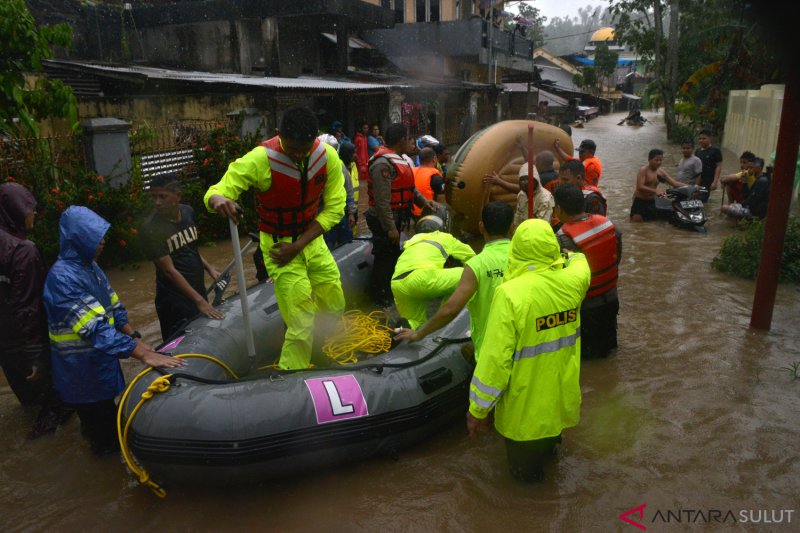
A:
[529,367]
[420,274]
[313,272]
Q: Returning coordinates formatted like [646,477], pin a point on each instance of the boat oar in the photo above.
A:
[237,258]
[221,283]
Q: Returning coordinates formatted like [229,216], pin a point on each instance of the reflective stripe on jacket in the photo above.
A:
[84,315]
[529,366]
[292,201]
[596,237]
[402,198]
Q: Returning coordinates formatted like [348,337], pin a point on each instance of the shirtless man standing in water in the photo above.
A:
[644,197]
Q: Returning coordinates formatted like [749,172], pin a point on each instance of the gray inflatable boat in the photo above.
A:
[209,428]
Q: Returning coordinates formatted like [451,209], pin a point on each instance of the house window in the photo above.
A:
[398,6]
[428,10]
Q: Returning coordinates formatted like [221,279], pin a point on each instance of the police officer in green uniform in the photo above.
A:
[481,275]
[529,367]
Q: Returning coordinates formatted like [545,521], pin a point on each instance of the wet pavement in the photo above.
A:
[693,412]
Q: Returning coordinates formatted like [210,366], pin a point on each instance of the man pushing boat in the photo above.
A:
[292,172]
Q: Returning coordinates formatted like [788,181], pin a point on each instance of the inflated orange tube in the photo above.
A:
[499,148]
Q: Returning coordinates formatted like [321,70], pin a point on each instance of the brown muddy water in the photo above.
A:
[693,413]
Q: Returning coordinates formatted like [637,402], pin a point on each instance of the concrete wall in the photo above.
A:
[162,109]
[752,121]
[205,46]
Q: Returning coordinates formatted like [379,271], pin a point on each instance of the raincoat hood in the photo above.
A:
[16,202]
[346,152]
[534,247]
[80,231]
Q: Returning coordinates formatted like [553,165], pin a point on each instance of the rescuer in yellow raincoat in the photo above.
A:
[420,274]
[530,362]
[291,173]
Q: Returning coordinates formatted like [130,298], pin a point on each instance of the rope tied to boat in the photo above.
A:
[159,385]
[360,333]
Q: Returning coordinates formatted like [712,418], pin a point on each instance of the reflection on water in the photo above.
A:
[693,412]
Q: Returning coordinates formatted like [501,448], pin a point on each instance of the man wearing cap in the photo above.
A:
[591,164]
[543,203]
[292,173]
[420,274]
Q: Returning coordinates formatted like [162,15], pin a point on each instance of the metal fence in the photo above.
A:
[60,157]
[168,148]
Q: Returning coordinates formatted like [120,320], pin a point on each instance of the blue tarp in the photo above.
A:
[620,62]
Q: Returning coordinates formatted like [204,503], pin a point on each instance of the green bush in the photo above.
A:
[740,254]
[59,179]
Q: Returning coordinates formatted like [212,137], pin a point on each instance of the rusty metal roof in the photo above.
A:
[154,73]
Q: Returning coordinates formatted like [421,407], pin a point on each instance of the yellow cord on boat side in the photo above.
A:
[160,384]
[361,333]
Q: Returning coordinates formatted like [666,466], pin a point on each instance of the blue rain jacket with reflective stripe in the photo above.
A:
[529,367]
[84,315]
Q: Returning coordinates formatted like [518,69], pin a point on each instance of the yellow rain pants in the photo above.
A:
[413,293]
[308,283]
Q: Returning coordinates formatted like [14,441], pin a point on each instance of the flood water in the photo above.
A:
[693,412]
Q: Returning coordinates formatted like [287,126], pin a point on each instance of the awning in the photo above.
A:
[620,62]
[353,42]
[631,96]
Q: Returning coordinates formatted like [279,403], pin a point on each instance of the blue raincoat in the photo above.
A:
[84,314]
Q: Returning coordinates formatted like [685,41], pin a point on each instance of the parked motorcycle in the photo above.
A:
[682,207]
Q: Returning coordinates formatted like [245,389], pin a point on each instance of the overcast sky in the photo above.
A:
[558,8]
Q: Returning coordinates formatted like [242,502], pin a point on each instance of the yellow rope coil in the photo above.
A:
[160,384]
[361,333]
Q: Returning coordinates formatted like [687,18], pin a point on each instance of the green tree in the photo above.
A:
[698,50]
[605,62]
[590,78]
[25,101]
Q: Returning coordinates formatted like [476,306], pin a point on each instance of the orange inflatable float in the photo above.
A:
[499,148]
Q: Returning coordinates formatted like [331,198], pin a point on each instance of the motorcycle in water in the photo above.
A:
[682,207]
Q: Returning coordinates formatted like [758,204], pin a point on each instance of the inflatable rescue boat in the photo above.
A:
[227,418]
[499,148]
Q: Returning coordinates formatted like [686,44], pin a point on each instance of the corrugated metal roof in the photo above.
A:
[154,73]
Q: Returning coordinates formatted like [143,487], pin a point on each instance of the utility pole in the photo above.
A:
[489,37]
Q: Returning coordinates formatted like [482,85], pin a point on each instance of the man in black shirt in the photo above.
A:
[170,241]
[711,157]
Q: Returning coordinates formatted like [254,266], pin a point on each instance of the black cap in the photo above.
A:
[587,144]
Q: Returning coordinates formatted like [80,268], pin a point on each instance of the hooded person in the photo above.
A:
[543,202]
[89,330]
[24,348]
[420,274]
[529,368]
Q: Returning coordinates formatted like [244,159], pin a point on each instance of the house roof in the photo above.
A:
[552,99]
[142,73]
[554,59]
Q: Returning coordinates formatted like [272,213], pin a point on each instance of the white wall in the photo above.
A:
[752,121]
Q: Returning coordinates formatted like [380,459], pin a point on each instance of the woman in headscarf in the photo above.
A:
[24,346]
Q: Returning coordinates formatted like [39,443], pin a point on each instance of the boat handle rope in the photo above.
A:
[160,384]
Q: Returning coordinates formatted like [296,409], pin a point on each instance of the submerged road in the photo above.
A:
[694,412]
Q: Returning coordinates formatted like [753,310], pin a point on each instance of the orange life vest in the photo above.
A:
[422,180]
[402,184]
[292,201]
[597,239]
[588,190]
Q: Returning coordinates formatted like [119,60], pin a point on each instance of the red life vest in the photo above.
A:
[292,201]
[402,184]
[422,180]
[588,190]
[596,237]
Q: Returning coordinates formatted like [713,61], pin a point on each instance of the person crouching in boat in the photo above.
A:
[420,274]
[89,330]
[291,173]
[481,275]
[530,361]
